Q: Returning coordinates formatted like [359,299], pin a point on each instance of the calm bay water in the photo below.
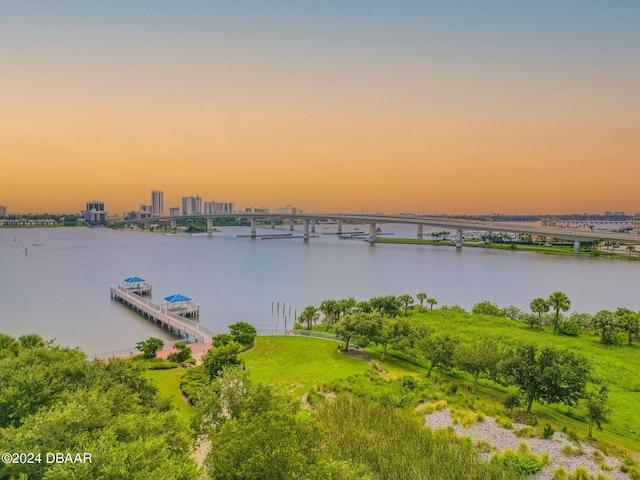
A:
[60,288]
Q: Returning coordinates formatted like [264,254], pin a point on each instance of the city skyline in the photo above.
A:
[460,108]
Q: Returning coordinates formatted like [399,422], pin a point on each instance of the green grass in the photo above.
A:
[168,384]
[615,366]
[297,363]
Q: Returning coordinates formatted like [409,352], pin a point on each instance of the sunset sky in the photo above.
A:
[379,106]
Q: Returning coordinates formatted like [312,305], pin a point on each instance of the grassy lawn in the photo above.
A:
[298,363]
[168,384]
[614,366]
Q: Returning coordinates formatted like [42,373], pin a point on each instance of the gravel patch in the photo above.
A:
[502,438]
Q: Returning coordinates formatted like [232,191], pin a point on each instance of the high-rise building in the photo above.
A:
[636,223]
[94,214]
[3,211]
[192,205]
[174,212]
[157,203]
[211,208]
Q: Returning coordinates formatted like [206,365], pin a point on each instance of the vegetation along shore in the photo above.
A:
[391,387]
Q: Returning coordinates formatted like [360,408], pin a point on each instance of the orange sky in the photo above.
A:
[434,131]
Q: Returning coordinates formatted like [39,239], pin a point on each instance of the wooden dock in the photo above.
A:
[161,315]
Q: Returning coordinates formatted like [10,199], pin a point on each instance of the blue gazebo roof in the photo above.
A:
[177,298]
[134,280]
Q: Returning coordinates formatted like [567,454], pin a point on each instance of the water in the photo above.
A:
[60,289]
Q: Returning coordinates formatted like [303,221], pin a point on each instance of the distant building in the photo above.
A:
[157,203]
[191,205]
[636,223]
[211,208]
[3,211]
[256,210]
[174,212]
[289,209]
[95,214]
[145,211]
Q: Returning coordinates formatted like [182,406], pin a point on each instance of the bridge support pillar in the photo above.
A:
[576,246]
[339,227]
[489,234]
[273,224]
[372,232]
[459,239]
[253,227]
[209,226]
[313,226]
[420,232]
[291,223]
[174,224]
[147,225]
[306,229]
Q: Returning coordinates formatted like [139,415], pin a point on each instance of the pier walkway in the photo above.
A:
[162,315]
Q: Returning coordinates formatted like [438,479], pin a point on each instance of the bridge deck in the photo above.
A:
[161,315]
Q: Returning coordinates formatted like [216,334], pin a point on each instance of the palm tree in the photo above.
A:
[422,297]
[539,306]
[406,300]
[309,314]
[558,301]
[631,249]
[432,302]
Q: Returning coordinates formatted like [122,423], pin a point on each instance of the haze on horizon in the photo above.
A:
[436,107]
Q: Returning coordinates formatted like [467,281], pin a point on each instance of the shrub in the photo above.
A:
[504,422]
[597,456]
[569,451]
[522,461]
[192,382]
[634,472]
[581,473]
[483,446]
[560,474]
[466,417]
[548,431]
[569,328]
[526,432]
[487,308]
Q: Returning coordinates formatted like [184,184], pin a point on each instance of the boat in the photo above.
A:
[38,244]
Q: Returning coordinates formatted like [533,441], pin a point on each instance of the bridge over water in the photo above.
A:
[309,221]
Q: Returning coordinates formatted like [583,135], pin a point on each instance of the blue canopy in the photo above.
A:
[177,298]
[134,280]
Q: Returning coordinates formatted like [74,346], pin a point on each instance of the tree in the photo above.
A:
[31,340]
[405,300]
[630,249]
[486,308]
[216,359]
[309,315]
[480,359]
[359,326]
[396,333]
[432,302]
[331,311]
[628,322]
[597,409]
[605,322]
[243,333]
[389,306]
[547,375]
[345,306]
[439,350]
[256,432]
[182,353]
[222,339]
[558,301]
[539,306]
[150,346]
[421,298]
